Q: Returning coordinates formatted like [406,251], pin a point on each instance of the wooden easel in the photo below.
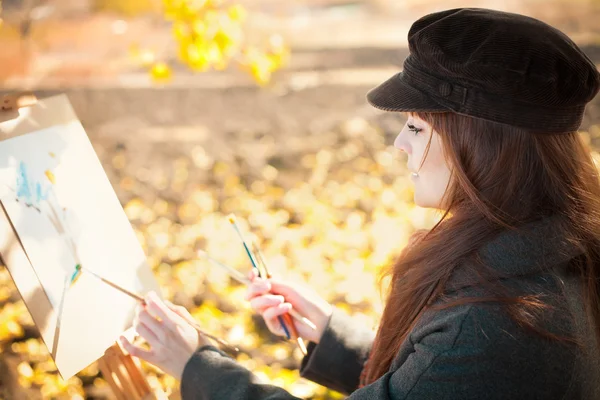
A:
[124,375]
[122,372]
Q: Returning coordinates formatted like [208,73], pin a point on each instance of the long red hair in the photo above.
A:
[502,177]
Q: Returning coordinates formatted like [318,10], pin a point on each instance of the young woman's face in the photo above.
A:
[431,176]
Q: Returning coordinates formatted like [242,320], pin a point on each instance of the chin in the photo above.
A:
[424,203]
[418,201]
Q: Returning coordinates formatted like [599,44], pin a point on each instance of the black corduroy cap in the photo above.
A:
[492,65]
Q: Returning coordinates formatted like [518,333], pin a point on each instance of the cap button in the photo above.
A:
[445,89]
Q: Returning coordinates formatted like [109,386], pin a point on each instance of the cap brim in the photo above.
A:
[397,95]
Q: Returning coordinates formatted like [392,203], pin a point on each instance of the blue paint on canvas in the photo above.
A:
[29,191]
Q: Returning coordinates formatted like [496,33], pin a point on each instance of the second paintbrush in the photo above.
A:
[238,276]
[287,324]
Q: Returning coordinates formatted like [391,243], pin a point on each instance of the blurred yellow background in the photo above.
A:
[269,123]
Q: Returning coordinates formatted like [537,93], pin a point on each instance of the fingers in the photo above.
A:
[179,310]
[158,309]
[257,288]
[261,286]
[283,288]
[260,303]
[275,327]
[136,351]
[274,312]
[182,312]
[270,316]
[150,328]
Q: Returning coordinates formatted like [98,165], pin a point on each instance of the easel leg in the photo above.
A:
[125,377]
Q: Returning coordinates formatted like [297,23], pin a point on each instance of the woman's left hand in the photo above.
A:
[165,327]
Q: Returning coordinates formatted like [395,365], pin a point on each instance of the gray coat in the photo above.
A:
[471,351]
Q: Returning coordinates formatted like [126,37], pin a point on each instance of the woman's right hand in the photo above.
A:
[273,297]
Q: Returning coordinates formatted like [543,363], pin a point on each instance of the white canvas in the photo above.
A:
[65,212]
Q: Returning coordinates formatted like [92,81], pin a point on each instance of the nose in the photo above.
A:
[402,144]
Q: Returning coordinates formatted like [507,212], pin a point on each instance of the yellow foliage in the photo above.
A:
[210,35]
[237,13]
[145,57]
[161,72]
[261,63]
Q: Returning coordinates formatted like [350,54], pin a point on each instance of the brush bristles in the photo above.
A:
[231,218]
[76,274]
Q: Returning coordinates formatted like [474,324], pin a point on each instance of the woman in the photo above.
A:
[500,300]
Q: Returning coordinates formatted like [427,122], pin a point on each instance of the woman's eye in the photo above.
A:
[414,129]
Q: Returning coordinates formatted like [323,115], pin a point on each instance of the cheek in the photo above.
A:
[435,164]
[431,186]
[436,173]
[438,169]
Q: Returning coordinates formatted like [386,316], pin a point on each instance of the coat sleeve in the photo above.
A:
[336,362]
[212,374]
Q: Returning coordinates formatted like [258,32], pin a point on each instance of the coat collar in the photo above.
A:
[530,249]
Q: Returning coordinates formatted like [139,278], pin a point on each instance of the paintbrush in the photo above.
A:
[284,326]
[233,222]
[238,276]
[286,317]
[234,273]
[79,269]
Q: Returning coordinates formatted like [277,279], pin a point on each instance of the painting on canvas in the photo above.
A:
[63,212]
